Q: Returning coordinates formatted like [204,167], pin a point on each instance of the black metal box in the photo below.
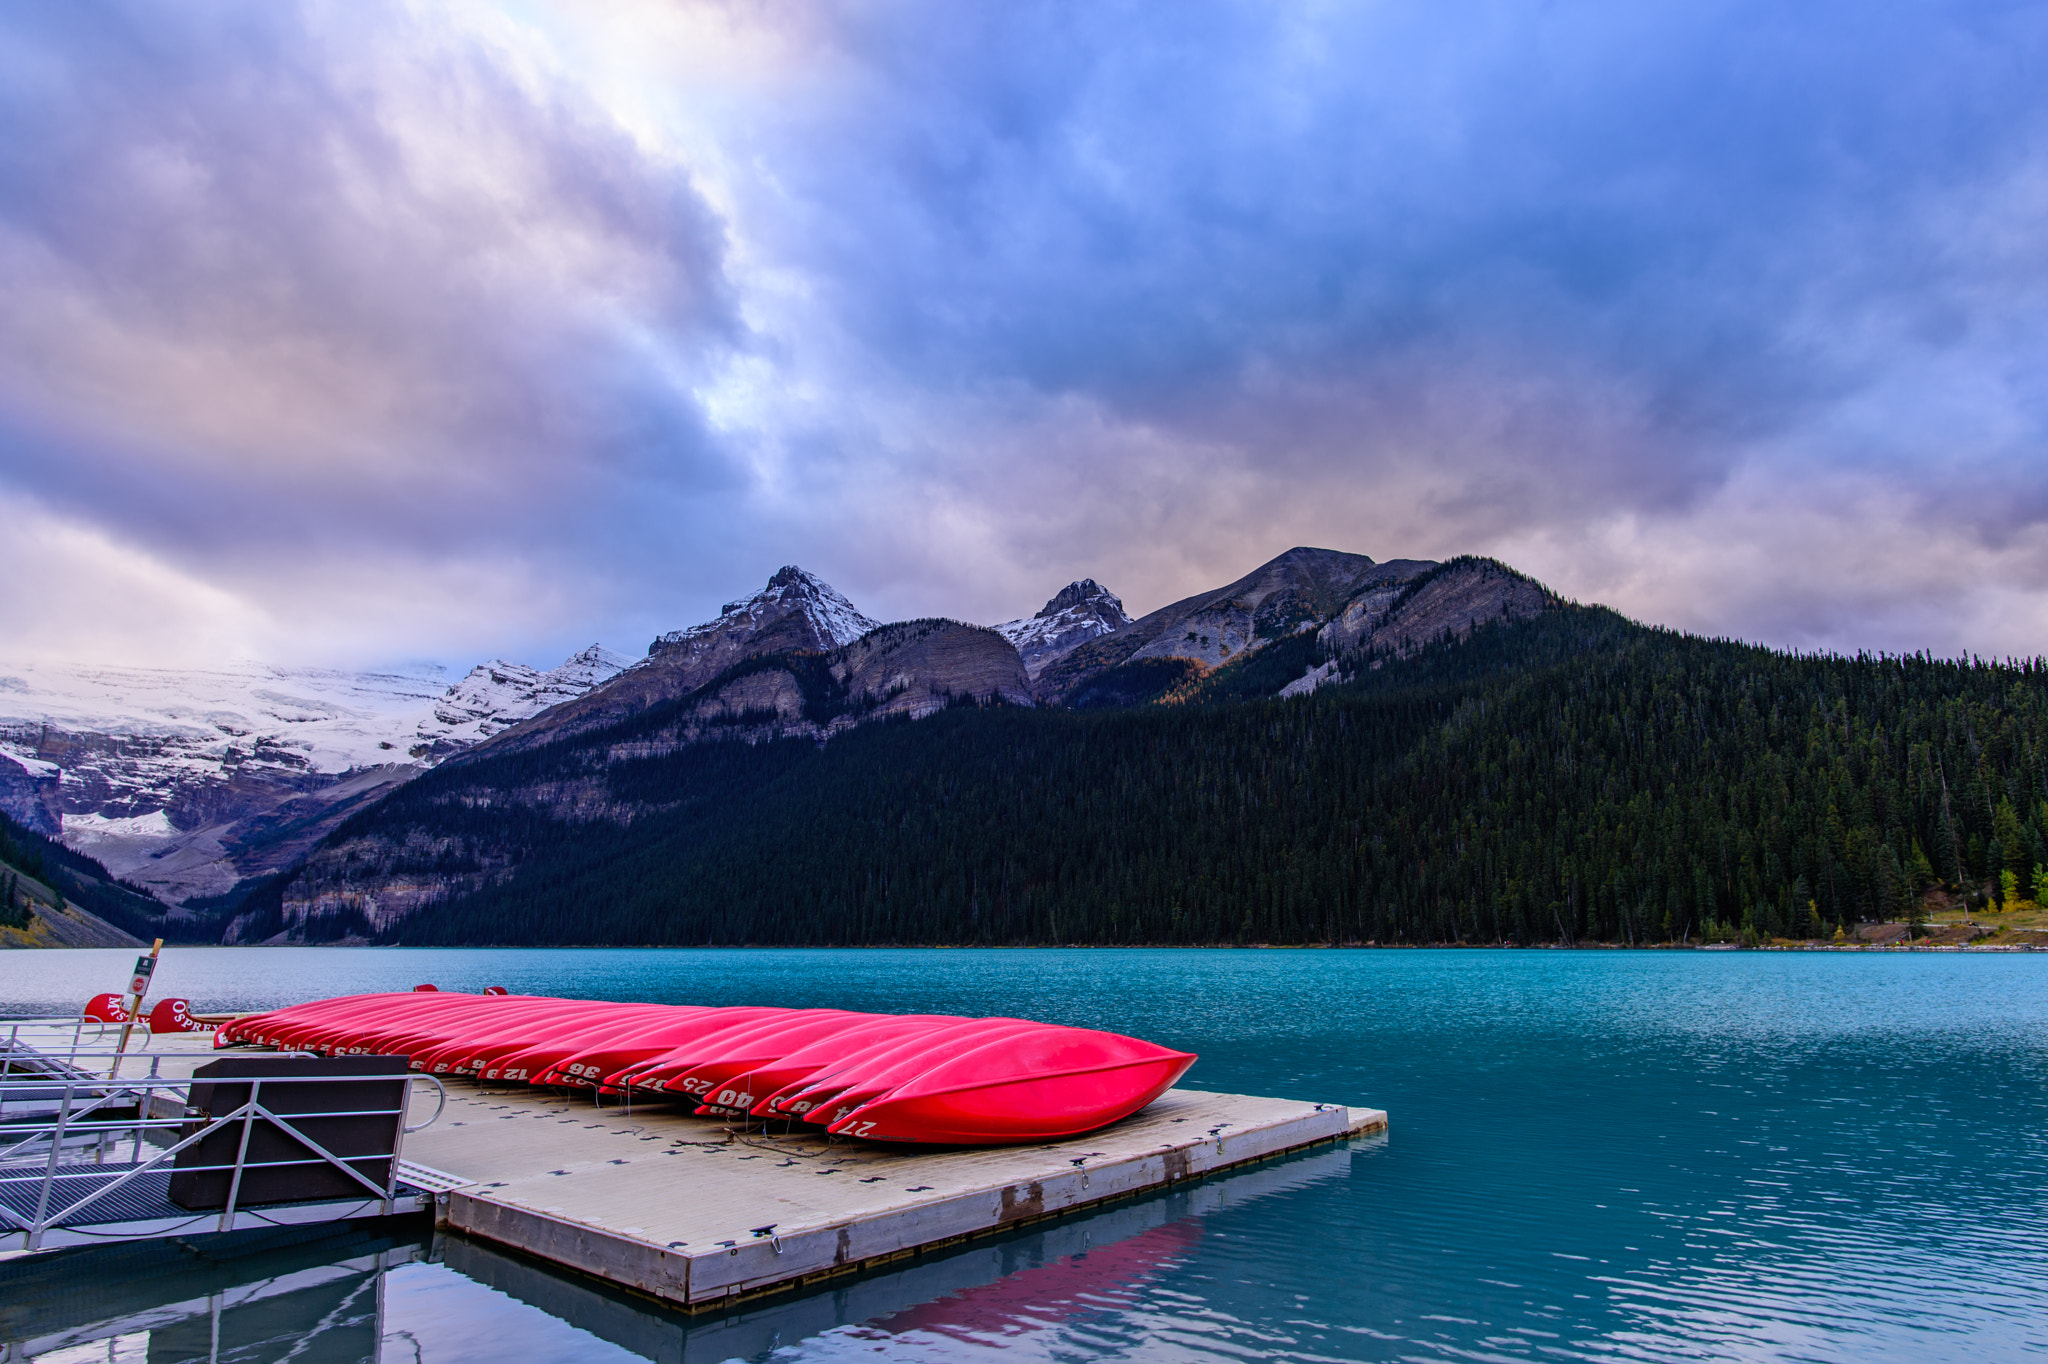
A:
[353,1106]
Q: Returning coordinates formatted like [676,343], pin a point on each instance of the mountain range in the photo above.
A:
[796,662]
[189,783]
[1329,749]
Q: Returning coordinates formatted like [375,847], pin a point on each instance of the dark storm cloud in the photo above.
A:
[1518,267]
[1139,204]
[1732,314]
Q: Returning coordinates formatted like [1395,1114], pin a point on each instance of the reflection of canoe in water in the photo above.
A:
[1032,1299]
[907,1078]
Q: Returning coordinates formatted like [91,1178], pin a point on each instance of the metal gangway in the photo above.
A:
[100,1144]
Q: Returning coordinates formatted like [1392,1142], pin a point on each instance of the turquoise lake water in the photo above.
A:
[1594,1155]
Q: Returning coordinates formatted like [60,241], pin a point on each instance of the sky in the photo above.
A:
[356,333]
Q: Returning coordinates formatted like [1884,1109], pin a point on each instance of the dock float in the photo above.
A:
[702,1215]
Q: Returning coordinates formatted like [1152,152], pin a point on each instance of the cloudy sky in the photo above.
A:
[357,333]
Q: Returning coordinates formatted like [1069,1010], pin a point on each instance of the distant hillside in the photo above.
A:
[1555,773]
[51,896]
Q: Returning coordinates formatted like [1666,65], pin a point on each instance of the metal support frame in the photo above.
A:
[78,1096]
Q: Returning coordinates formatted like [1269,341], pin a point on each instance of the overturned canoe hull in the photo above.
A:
[880,1077]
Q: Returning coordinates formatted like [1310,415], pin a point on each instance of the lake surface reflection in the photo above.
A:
[1593,1155]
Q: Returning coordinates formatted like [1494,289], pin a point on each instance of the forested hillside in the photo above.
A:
[1573,776]
[86,883]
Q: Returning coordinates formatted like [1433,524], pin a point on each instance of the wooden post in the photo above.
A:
[138,986]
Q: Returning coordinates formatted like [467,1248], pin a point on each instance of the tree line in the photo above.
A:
[1572,777]
[86,883]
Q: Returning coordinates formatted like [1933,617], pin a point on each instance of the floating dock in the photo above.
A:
[703,1214]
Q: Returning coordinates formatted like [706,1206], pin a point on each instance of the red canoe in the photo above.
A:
[820,1082]
[568,1059]
[349,1028]
[847,1089]
[296,1026]
[514,1028]
[447,1035]
[417,1030]
[258,1027]
[1052,1082]
[613,1064]
[916,1078]
[502,1055]
[707,1075]
[731,1050]
[762,1085]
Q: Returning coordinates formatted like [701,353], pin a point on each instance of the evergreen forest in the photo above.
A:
[83,881]
[1574,777]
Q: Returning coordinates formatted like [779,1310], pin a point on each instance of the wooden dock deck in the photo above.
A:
[700,1214]
[705,1214]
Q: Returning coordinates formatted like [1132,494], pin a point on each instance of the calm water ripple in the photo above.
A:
[1594,1156]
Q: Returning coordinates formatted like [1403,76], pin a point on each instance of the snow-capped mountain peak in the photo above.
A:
[162,773]
[792,592]
[496,695]
[587,667]
[1078,612]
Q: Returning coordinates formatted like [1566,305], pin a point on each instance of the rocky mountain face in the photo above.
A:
[191,782]
[1450,599]
[912,669]
[1080,611]
[797,612]
[1296,592]
[779,665]
[28,793]
[187,781]
[909,669]
[1396,617]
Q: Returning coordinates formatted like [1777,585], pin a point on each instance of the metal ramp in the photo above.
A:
[141,1208]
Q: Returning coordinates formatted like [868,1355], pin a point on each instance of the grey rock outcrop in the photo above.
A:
[30,798]
[1448,600]
[1297,590]
[911,668]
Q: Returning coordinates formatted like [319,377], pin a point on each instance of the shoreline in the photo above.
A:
[1778,946]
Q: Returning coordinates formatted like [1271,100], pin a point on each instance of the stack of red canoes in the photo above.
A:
[887,1077]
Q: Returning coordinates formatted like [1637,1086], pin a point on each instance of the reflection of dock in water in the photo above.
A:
[1038,1275]
[315,1294]
[326,1295]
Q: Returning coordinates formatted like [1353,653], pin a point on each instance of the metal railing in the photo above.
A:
[63,1038]
[68,1107]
